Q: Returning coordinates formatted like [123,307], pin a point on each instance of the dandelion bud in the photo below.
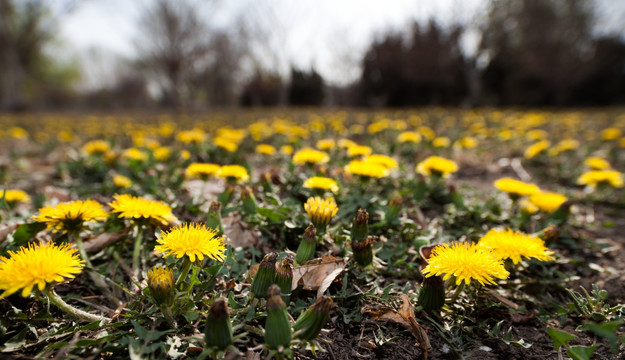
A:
[277,326]
[265,276]
[432,293]
[218,330]
[392,210]
[549,234]
[360,227]
[310,322]
[225,197]
[213,219]
[363,251]
[321,211]
[249,201]
[306,248]
[284,277]
[161,284]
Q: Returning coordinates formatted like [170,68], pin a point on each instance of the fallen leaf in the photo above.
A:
[238,233]
[318,274]
[103,240]
[404,317]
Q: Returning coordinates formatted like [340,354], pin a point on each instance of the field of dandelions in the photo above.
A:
[416,234]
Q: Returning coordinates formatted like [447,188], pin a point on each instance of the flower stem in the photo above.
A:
[459,289]
[169,317]
[136,254]
[186,266]
[76,313]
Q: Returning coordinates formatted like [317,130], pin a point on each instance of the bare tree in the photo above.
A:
[174,45]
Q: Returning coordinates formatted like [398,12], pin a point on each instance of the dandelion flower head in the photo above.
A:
[597,163]
[265,149]
[321,211]
[121,181]
[192,240]
[386,161]
[37,265]
[70,216]
[310,156]
[436,165]
[547,201]
[465,262]
[533,150]
[234,172]
[515,187]
[96,147]
[140,209]
[13,196]
[366,169]
[321,183]
[201,170]
[515,245]
[596,177]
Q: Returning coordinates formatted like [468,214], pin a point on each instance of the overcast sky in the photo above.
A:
[330,35]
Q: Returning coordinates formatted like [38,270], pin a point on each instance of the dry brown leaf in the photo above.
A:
[238,233]
[318,274]
[103,240]
[405,317]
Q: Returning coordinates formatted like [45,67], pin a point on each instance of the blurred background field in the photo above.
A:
[191,54]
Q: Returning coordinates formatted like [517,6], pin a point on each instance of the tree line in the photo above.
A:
[530,53]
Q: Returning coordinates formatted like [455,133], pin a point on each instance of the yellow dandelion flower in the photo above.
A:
[536,134]
[162,153]
[366,169]
[286,149]
[563,146]
[139,209]
[465,262]
[441,141]
[345,143]
[37,265]
[265,149]
[598,177]
[192,240]
[96,147]
[515,187]
[234,172]
[310,156]
[226,144]
[515,245]
[201,170]
[134,154]
[537,148]
[323,183]
[409,136]
[121,181]
[320,211]
[70,216]
[18,133]
[359,150]
[467,142]
[325,144]
[194,136]
[611,134]
[13,196]
[597,163]
[527,207]
[436,165]
[386,161]
[427,132]
[547,201]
